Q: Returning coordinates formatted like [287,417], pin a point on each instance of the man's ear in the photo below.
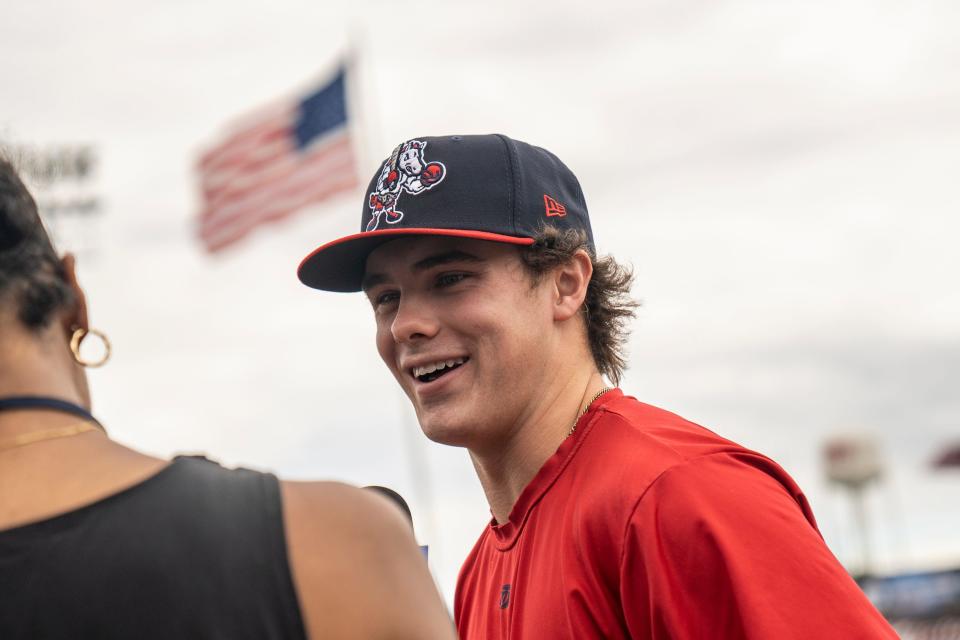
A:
[76,315]
[571,281]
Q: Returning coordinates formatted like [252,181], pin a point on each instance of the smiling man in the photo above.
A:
[611,518]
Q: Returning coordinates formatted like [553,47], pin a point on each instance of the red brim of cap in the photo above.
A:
[339,265]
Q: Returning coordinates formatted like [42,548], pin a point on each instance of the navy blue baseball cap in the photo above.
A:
[486,187]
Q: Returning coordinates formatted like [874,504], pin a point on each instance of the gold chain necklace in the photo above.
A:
[47,434]
[587,408]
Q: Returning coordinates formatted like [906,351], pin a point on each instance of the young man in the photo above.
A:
[611,518]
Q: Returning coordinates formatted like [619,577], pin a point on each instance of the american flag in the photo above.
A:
[285,158]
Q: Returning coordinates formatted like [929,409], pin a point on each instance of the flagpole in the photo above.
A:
[366,129]
[371,148]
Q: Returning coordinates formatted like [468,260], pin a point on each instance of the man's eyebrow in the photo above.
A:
[445,258]
[371,280]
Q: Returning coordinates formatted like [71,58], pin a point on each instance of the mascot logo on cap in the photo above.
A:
[404,171]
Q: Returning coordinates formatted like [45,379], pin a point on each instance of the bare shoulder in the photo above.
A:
[356,567]
[319,505]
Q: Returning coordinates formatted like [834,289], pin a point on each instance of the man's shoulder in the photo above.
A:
[640,435]
[632,446]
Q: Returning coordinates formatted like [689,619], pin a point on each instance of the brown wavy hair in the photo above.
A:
[608,307]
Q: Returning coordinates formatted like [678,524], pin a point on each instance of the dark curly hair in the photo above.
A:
[608,307]
[31,274]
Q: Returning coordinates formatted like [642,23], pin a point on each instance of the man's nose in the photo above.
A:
[414,321]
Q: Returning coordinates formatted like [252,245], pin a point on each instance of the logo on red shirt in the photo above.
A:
[505,596]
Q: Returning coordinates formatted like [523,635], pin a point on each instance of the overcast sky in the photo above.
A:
[782,175]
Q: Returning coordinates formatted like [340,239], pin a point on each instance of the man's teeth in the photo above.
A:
[436,366]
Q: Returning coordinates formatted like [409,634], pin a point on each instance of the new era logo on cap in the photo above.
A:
[552,207]
[484,187]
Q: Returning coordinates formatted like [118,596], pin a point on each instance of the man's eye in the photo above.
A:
[448,279]
[385,298]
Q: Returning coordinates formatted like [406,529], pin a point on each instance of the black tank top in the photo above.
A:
[196,551]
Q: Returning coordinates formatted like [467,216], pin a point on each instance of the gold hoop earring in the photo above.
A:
[77,338]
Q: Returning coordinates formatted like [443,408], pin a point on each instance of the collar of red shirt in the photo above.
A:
[507,533]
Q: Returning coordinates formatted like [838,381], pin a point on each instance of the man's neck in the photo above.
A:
[507,469]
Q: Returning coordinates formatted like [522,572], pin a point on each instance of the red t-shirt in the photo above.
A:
[645,525]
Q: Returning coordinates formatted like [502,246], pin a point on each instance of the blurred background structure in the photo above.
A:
[783,176]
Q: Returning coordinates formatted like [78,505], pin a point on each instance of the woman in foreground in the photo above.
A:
[100,541]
